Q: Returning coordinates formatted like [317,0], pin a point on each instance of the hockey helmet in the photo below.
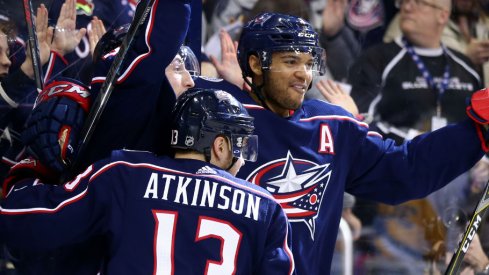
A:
[200,115]
[274,32]
[187,58]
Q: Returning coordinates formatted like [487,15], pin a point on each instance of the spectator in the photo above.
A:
[466,32]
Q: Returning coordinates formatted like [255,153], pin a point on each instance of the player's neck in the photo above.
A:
[271,107]
[189,155]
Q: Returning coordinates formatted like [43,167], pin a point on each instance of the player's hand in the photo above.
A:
[228,67]
[66,36]
[52,129]
[96,32]
[28,168]
[334,16]
[478,107]
[334,94]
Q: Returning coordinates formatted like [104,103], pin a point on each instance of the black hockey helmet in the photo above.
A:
[275,32]
[200,115]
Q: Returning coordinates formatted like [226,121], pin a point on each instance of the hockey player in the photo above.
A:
[142,95]
[312,151]
[151,213]
[131,119]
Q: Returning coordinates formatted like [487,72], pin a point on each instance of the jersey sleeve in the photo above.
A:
[56,65]
[384,172]
[277,257]
[38,217]
[154,48]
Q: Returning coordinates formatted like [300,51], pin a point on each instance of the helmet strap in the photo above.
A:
[257,90]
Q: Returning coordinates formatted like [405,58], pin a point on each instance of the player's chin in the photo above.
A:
[295,103]
[296,99]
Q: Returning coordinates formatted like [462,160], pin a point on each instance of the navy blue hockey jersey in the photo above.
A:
[142,100]
[309,159]
[155,215]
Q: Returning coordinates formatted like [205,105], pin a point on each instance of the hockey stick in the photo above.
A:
[477,218]
[33,45]
[108,85]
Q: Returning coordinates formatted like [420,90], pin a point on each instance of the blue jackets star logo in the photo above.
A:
[297,184]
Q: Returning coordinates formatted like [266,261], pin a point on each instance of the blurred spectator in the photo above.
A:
[476,258]
[409,86]
[466,32]
[17,89]
[350,27]
[410,237]
[414,84]
[212,47]
[111,12]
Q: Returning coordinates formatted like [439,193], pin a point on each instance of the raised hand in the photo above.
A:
[335,95]
[44,36]
[334,16]
[228,67]
[95,33]
[66,36]
[478,51]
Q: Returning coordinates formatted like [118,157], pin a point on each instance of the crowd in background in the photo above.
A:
[370,47]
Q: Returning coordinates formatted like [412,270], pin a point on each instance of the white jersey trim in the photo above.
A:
[334,117]
[7,99]
[57,207]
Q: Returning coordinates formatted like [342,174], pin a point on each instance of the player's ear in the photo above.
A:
[218,154]
[255,65]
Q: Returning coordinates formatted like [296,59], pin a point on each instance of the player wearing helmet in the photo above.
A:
[150,212]
[311,152]
[132,119]
[153,76]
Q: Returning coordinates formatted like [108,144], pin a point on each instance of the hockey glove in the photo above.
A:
[478,107]
[28,168]
[478,111]
[51,133]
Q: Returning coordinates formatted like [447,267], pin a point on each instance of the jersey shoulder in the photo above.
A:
[315,107]
[246,185]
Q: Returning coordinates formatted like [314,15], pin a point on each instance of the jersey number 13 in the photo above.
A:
[207,227]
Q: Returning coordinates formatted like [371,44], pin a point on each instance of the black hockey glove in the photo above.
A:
[52,130]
